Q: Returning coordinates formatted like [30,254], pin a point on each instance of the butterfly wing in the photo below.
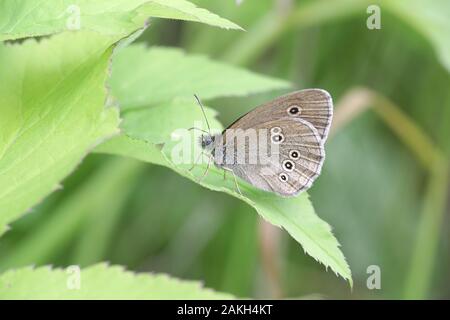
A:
[295,159]
[312,105]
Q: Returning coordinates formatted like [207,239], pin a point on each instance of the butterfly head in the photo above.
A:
[207,141]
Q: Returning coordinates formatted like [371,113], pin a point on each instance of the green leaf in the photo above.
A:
[98,282]
[29,18]
[174,110]
[184,10]
[45,133]
[124,145]
[431,19]
[174,115]
[163,74]
[296,215]
[52,107]
[100,197]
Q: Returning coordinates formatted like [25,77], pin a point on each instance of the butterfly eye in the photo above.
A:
[294,110]
[278,138]
[275,130]
[294,155]
[283,177]
[288,165]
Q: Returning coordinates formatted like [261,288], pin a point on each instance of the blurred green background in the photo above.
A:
[384,186]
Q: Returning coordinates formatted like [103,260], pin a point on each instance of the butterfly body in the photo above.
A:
[278,146]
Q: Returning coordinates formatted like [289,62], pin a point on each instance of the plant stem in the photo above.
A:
[419,276]
[271,26]
[408,132]
[269,242]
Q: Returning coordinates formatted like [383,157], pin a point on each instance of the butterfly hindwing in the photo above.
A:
[295,162]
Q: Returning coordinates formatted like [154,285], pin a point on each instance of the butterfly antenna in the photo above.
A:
[203,111]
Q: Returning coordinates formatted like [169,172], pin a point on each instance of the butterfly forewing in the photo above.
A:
[312,105]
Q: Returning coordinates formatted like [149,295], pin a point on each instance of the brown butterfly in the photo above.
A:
[294,127]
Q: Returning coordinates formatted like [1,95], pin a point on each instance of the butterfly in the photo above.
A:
[294,127]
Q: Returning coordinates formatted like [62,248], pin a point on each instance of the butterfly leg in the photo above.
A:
[207,169]
[234,177]
[195,162]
